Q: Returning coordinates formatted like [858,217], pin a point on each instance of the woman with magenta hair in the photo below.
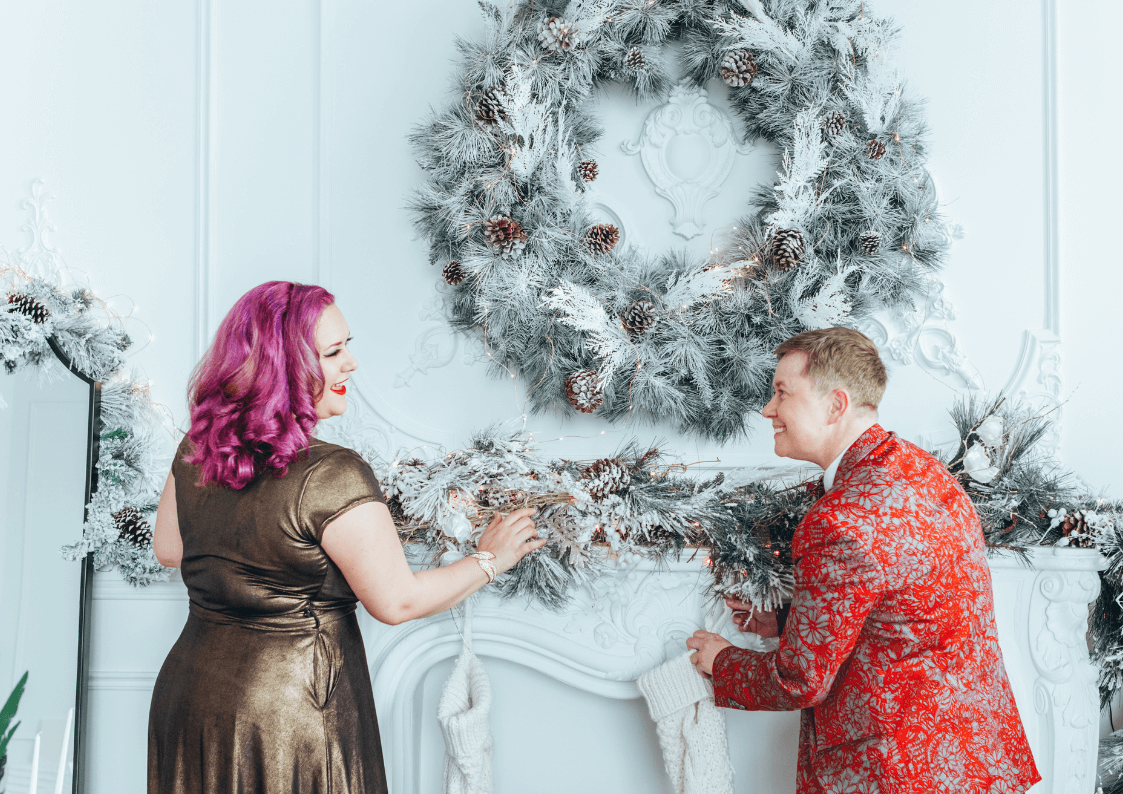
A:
[278,536]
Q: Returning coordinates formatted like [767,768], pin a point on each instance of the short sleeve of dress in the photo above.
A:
[338,482]
[181,469]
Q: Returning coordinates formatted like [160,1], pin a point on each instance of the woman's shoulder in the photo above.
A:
[183,450]
[185,447]
[323,455]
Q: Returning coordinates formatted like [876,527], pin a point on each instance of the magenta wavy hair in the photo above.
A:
[253,395]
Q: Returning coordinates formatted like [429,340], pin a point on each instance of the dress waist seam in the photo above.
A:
[307,619]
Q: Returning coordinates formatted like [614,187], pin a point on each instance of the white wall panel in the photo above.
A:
[1090,69]
[265,191]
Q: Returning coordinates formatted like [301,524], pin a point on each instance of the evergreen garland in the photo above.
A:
[33,310]
[547,286]
[634,504]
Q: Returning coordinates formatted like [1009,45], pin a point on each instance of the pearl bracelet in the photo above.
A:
[484,558]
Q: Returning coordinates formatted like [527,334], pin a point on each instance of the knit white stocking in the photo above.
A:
[690,727]
[462,714]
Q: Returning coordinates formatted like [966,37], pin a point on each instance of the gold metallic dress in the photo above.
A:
[267,689]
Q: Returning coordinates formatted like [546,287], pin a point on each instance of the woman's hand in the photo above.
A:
[364,543]
[708,645]
[510,537]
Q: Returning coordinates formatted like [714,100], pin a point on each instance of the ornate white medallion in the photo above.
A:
[687,147]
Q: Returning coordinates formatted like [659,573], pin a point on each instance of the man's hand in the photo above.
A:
[753,621]
[708,645]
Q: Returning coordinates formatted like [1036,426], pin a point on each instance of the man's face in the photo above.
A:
[801,417]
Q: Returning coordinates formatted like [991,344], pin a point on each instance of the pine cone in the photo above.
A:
[787,249]
[834,123]
[602,238]
[557,34]
[454,274]
[634,60]
[1075,528]
[132,528]
[639,317]
[875,149]
[505,235]
[588,170]
[492,497]
[738,68]
[489,107]
[870,242]
[582,392]
[606,476]
[29,307]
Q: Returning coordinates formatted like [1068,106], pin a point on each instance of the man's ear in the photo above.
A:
[840,403]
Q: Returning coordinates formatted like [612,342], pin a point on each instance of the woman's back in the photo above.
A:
[256,551]
[267,688]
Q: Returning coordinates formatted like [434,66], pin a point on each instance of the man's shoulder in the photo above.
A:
[893,460]
[891,477]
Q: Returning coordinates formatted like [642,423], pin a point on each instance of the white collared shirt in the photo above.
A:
[828,475]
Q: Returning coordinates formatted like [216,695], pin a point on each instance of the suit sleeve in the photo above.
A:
[837,581]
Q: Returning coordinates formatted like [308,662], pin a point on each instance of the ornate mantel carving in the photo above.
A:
[1065,692]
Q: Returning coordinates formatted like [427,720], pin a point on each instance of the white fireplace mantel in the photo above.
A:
[635,615]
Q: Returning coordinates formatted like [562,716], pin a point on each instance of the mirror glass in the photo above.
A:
[43,433]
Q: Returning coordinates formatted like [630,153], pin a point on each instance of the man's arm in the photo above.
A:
[837,582]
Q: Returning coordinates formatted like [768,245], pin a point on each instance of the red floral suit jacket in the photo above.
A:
[891,646]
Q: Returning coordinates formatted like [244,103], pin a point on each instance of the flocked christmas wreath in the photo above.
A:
[850,227]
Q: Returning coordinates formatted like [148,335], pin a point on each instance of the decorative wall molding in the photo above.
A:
[325,111]
[39,257]
[687,113]
[924,337]
[434,348]
[1036,379]
[206,121]
[110,586]
[1051,226]
[123,680]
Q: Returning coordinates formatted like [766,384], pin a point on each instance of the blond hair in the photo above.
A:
[841,358]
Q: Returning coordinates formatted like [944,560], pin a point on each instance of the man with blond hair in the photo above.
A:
[890,647]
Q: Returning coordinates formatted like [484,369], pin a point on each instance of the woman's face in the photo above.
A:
[332,336]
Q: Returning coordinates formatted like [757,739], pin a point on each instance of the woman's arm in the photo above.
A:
[364,543]
[166,540]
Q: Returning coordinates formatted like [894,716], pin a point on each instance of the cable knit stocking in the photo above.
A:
[691,729]
[462,714]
